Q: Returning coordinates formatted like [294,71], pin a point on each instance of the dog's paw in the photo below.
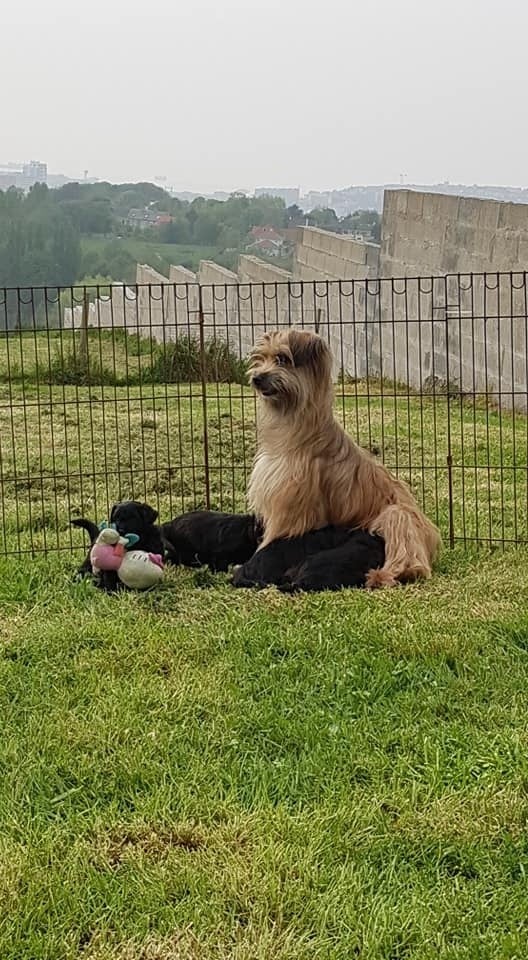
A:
[289,588]
[377,579]
[239,580]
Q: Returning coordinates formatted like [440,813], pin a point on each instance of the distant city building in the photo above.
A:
[315,200]
[290,195]
[23,176]
[370,197]
[35,172]
[7,180]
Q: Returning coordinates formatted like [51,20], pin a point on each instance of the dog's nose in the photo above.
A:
[258,380]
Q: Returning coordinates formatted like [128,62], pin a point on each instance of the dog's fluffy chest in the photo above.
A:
[270,472]
[271,475]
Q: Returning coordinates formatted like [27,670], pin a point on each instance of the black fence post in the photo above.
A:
[203,372]
[449,457]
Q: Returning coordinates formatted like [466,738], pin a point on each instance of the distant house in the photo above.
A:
[142,219]
[267,240]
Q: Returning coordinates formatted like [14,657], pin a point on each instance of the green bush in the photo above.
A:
[71,369]
[180,361]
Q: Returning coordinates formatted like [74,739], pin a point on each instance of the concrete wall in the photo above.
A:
[183,301]
[153,303]
[270,300]
[465,332]
[337,309]
[468,331]
[426,234]
[321,255]
[254,270]
[118,309]
[221,303]
[181,275]
[238,307]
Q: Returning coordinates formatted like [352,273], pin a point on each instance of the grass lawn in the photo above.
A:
[202,773]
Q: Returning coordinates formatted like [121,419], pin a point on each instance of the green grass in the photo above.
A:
[204,773]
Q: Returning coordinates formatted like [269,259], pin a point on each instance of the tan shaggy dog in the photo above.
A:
[308,473]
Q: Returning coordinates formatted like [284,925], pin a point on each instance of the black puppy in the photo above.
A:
[209,537]
[129,516]
[325,559]
[269,565]
[343,566]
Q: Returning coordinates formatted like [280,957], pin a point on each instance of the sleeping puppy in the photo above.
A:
[269,565]
[209,537]
[343,566]
[129,516]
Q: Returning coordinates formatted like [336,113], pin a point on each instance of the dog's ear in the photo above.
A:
[112,512]
[148,513]
[307,349]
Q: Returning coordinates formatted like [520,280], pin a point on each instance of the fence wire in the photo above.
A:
[140,392]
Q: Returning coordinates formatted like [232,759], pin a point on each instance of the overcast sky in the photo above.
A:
[227,94]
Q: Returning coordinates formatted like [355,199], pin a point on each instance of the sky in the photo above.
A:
[236,94]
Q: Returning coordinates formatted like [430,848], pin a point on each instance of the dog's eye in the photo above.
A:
[282,360]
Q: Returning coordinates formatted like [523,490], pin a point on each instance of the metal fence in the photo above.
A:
[140,392]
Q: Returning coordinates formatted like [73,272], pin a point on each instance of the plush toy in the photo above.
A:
[137,569]
[141,570]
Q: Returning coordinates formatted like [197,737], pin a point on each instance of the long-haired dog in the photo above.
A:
[308,473]
[325,559]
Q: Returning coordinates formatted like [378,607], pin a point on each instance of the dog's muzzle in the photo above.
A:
[263,382]
[122,529]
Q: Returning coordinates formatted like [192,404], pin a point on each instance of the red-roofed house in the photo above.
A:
[266,240]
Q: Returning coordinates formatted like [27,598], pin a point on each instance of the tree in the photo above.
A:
[229,238]
[206,227]
[127,195]
[366,222]
[38,194]
[267,211]
[325,219]
[90,216]
[38,242]
[178,231]
[295,217]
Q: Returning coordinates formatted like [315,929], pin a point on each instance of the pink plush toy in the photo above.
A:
[108,550]
[137,569]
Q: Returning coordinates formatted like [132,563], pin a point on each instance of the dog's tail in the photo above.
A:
[412,543]
[91,528]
